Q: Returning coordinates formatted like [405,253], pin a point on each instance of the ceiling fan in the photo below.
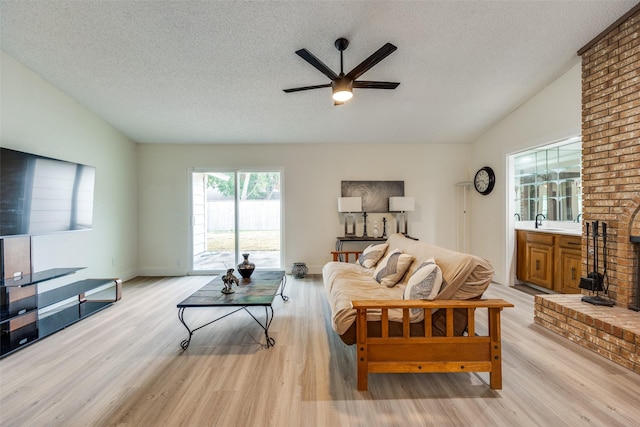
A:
[341,84]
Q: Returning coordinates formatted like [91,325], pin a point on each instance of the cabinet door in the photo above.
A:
[540,265]
[15,256]
[521,255]
[570,271]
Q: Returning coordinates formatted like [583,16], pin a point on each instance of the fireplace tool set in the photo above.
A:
[595,281]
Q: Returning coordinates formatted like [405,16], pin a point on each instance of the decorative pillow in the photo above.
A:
[390,270]
[372,254]
[425,283]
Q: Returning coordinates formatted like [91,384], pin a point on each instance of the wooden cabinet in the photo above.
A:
[551,261]
[538,251]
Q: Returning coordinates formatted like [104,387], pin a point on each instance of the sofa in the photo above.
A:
[379,302]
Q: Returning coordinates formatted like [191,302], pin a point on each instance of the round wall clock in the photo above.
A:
[484,180]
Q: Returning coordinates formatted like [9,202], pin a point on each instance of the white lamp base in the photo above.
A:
[349,225]
[401,223]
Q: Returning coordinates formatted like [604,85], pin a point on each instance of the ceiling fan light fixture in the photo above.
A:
[342,89]
[342,96]
[342,84]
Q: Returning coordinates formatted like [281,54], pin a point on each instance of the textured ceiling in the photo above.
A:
[213,71]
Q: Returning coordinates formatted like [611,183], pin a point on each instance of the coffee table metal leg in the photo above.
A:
[270,341]
[185,343]
[268,319]
[283,284]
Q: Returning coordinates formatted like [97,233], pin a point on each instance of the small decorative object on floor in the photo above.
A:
[299,270]
[229,279]
[245,268]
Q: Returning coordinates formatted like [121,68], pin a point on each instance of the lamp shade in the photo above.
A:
[402,204]
[349,204]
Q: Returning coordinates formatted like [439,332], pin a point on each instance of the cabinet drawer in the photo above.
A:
[570,242]
[541,238]
[18,331]
[15,300]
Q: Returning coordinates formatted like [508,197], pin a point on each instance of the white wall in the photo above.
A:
[36,117]
[552,115]
[141,212]
[312,175]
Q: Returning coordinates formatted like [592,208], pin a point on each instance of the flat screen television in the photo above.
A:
[40,195]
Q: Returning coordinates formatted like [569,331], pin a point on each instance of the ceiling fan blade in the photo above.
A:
[365,65]
[362,84]
[298,89]
[311,59]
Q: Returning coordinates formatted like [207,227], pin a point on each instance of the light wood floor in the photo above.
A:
[124,366]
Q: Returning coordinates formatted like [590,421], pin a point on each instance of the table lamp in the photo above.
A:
[349,205]
[401,205]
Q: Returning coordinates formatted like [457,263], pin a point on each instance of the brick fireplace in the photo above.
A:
[611,194]
[611,147]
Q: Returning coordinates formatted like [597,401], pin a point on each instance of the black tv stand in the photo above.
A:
[27,315]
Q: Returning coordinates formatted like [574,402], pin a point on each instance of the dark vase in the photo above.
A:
[245,268]
[299,270]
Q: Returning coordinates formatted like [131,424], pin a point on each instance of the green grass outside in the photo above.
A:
[263,240]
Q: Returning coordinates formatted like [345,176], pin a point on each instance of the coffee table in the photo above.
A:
[258,291]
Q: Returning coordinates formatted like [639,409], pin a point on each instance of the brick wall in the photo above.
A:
[611,149]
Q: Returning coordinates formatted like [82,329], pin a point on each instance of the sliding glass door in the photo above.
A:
[236,212]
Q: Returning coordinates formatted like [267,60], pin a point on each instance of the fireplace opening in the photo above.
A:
[636,248]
